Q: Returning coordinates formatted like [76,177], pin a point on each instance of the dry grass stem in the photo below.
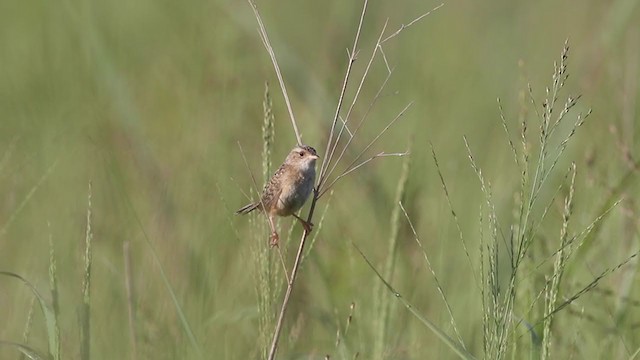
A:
[298,258]
[318,227]
[353,166]
[358,127]
[348,115]
[403,26]
[272,55]
[352,58]
[287,295]
[327,166]
[332,145]
[356,167]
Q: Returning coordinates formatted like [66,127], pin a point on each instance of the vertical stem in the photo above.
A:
[352,58]
[128,284]
[292,279]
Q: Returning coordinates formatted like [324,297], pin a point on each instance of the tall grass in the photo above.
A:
[267,270]
[503,296]
[84,313]
[517,243]
[325,181]
[382,301]
[520,244]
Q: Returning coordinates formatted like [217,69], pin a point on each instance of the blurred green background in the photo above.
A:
[148,100]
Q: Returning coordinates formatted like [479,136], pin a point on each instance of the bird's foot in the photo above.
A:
[273,240]
[308,226]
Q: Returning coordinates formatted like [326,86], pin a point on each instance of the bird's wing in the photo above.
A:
[273,188]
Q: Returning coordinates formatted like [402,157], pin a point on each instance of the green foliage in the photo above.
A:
[148,100]
[50,323]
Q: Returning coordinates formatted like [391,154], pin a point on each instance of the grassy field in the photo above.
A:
[123,128]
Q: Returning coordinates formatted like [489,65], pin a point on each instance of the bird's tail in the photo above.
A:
[248,208]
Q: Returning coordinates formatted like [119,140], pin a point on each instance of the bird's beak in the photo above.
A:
[315,157]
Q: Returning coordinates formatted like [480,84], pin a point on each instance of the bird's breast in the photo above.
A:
[296,192]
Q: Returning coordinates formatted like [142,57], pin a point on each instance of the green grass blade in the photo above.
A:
[453,345]
[536,341]
[26,199]
[174,298]
[181,315]
[176,302]
[382,301]
[27,327]
[25,350]
[85,307]
[49,316]
[55,300]
[615,194]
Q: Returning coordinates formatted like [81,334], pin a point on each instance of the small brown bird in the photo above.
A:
[288,189]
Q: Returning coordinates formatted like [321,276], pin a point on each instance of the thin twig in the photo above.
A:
[287,295]
[272,55]
[351,167]
[403,26]
[324,175]
[433,273]
[344,124]
[352,58]
[284,265]
[353,102]
[357,129]
[454,214]
[350,170]
[384,58]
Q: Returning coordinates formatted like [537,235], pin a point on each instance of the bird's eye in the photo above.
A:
[301,153]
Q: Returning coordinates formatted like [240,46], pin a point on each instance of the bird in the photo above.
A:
[288,189]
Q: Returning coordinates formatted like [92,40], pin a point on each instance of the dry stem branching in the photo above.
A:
[329,161]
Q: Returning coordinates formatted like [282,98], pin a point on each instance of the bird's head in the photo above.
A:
[303,157]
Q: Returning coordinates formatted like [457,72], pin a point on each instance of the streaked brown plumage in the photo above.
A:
[288,189]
